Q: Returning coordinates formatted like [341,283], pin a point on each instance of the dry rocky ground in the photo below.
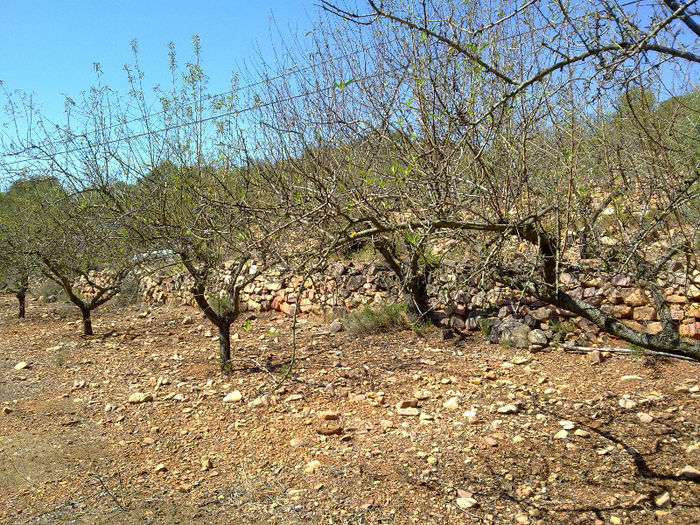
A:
[379,428]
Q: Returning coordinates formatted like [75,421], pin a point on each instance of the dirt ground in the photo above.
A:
[497,435]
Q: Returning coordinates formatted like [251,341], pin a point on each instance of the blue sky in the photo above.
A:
[49,47]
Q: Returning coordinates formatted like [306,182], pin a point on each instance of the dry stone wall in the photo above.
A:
[506,315]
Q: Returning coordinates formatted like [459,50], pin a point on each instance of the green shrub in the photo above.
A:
[129,293]
[382,318]
[49,289]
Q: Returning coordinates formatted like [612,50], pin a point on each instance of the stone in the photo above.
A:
[422,395]
[562,434]
[160,468]
[139,397]
[510,332]
[634,297]
[233,397]
[663,501]
[7,410]
[466,503]
[644,313]
[644,417]
[622,311]
[407,403]
[355,282]
[508,409]
[689,472]
[21,365]
[412,411]
[615,520]
[582,433]
[452,403]
[567,425]
[336,326]
[595,357]
[627,403]
[206,464]
[328,415]
[537,337]
[312,466]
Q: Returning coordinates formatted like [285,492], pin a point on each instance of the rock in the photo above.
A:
[412,411]
[562,434]
[507,409]
[328,423]
[645,313]
[336,326]
[139,397]
[407,403]
[644,417]
[689,472]
[312,466]
[421,395]
[452,403]
[595,357]
[614,520]
[471,417]
[491,442]
[21,365]
[160,468]
[7,410]
[567,425]
[663,501]
[233,397]
[510,332]
[582,433]
[627,403]
[206,464]
[466,503]
[634,297]
[537,337]
[328,415]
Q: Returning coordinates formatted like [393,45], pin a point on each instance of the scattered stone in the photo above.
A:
[411,411]
[582,433]
[139,397]
[615,520]
[21,365]
[336,326]
[567,425]
[490,441]
[206,464]
[644,417]
[562,434]
[328,415]
[147,441]
[663,501]
[407,403]
[594,357]
[466,503]
[233,397]
[507,409]
[452,403]
[312,466]
[689,472]
[471,417]
[7,410]
[160,468]
[627,403]
[421,395]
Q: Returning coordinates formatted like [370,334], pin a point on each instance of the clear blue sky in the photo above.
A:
[48,47]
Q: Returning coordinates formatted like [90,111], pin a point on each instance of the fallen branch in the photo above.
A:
[586,350]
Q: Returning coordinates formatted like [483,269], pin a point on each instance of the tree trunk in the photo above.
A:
[225,343]
[22,298]
[87,322]
[416,298]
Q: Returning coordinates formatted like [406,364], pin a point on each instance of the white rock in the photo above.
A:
[233,397]
[627,403]
[21,365]
[562,434]
[139,397]
[452,403]
[466,503]
[507,409]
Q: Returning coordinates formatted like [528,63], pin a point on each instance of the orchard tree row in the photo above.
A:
[530,139]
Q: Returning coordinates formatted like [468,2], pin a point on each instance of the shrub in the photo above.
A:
[382,318]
